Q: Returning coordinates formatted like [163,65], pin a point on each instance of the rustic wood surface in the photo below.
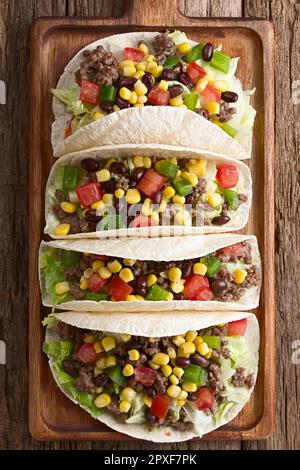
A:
[15,18]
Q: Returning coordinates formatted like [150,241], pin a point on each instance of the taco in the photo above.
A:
[146,76]
[146,274]
[140,190]
[164,379]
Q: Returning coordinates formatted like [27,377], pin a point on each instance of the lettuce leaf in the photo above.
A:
[178,37]
[222,411]
[137,412]
[53,269]
[240,353]
[50,321]
[58,350]
[67,96]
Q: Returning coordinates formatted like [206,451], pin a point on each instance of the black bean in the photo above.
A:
[127,82]
[221,220]
[168,74]
[122,103]
[118,168]
[182,362]
[179,296]
[199,360]
[101,380]
[218,286]
[229,96]
[193,396]
[157,198]
[150,417]
[207,52]
[141,281]
[136,176]
[183,78]
[148,80]
[141,291]
[175,90]
[187,269]
[91,216]
[89,164]
[109,186]
[107,107]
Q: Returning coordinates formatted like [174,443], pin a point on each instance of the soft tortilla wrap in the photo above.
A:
[154,324]
[238,220]
[136,125]
[163,249]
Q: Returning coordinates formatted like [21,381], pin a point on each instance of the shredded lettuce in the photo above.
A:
[178,37]
[58,350]
[67,96]
[50,321]
[220,415]
[240,353]
[137,411]
[52,269]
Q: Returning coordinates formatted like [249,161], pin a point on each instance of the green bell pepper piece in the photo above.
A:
[213,342]
[232,199]
[171,62]
[191,100]
[228,129]
[167,168]
[108,94]
[213,265]
[69,258]
[115,374]
[194,54]
[157,293]
[183,187]
[195,375]
[220,61]
[70,177]
[96,296]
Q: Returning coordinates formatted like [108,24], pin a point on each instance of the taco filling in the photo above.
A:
[103,194]
[177,381]
[225,275]
[167,70]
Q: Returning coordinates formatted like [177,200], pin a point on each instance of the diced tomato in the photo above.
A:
[87,354]
[151,183]
[195,72]
[210,93]
[237,327]
[196,287]
[227,175]
[89,92]
[232,250]
[95,282]
[145,375]
[160,406]
[68,130]
[205,398]
[88,193]
[131,53]
[158,97]
[141,220]
[102,257]
[119,289]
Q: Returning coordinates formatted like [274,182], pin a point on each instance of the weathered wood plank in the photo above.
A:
[103,8]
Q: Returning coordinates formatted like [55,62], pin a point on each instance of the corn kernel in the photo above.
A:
[155,218]
[98,115]
[198,168]
[111,361]
[189,387]
[180,353]
[177,101]
[128,394]
[97,265]
[151,65]
[169,192]
[190,177]
[171,352]
[103,175]
[142,100]
[99,389]
[213,107]
[178,371]
[108,343]
[108,199]
[221,85]
[128,71]
[88,273]
[147,401]
[88,338]
[239,275]
[184,48]
[138,105]
[183,395]
[198,340]
[129,262]
[163,205]
[143,47]
[125,93]
[119,193]
[191,335]
[98,205]
[178,200]
[125,337]
[188,347]
[177,287]
[133,355]
[150,58]
[133,98]
[178,340]
[166,370]
[156,71]
[126,63]
[182,217]
[215,199]
[161,359]
[102,400]
[114,266]
[163,85]
[151,280]
[147,160]
[147,207]
[133,196]
[201,84]
[109,162]
[180,402]
[140,88]
[138,74]
[104,272]
[62,229]
[98,347]
[141,66]
[153,365]
[200,268]
[124,406]
[68,207]
[173,391]
[126,275]
[173,379]
[83,284]
[128,370]
[101,363]
[62,288]
[203,348]
[209,354]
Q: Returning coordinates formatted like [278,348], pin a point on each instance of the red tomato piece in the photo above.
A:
[95,282]
[151,183]
[233,250]
[160,406]
[158,97]
[131,53]
[141,220]
[89,92]
[145,375]
[68,130]
[194,285]
[102,257]
[195,72]
[204,294]
[88,193]
[237,327]
[227,175]
[210,93]
[87,354]
[119,289]
[205,398]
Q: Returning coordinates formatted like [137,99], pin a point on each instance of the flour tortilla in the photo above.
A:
[163,249]
[156,325]
[151,124]
[237,222]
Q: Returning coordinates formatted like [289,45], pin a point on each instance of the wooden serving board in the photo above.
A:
[53,43]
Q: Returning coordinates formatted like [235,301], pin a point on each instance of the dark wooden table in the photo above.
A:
[15,19]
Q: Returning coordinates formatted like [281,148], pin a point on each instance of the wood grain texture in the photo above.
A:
[15,18]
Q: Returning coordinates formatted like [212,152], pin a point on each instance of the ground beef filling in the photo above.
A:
[99,66]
